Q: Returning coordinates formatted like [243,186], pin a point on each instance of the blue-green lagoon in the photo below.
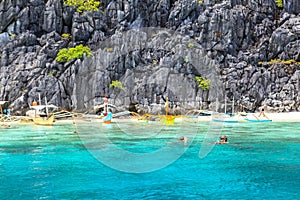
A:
[261,161]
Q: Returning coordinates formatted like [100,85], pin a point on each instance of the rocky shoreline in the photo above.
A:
[248,49]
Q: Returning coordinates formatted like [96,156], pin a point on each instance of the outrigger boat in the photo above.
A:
[44,121]
[167,119]
[227,117]
[257,119]
[5,117]
[228,120]
[106,114]
[41,118]
[107,119]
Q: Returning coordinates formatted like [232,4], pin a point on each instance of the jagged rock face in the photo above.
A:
[292,6]
[227,37]
[153,65]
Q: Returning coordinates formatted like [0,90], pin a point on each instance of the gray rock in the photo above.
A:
[223,41]
[4,39]
[292,6]
[53,20]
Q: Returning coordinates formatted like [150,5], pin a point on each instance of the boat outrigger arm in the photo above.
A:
[103,105]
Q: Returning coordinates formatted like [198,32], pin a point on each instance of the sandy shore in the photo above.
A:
[275,117]
[283,117]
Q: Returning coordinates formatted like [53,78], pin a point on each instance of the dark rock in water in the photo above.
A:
[248,49]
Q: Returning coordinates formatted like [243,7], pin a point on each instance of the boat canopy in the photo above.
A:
[40,107]
[2,102]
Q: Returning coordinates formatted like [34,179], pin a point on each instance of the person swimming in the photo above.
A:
[6,125]
[223,140]
[183,139]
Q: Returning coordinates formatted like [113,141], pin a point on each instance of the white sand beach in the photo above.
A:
[275,117]
[283,117]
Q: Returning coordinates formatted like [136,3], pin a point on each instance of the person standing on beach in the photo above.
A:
[262,111]
[105,103]
[8,112]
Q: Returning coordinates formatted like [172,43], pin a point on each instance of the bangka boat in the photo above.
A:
[168,120]
[44,121]
[107,119]
[106,114]
[229,120]
[258,120]
[40,117]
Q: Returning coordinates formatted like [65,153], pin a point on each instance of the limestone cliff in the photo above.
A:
[249,49]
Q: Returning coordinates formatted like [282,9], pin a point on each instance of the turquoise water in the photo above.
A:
[261,161]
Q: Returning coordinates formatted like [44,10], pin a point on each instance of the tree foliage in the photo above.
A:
[83,5]
[117,84]
[65,55]
[203,83]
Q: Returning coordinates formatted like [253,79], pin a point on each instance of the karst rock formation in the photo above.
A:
[248,49]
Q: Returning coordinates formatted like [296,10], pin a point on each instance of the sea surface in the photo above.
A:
[88,161]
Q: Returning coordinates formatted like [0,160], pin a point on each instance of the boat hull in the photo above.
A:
[44,122]
[107,119]
[258,120]
[225,121]
[168,120]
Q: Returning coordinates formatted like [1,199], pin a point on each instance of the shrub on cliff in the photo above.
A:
[65,55]
[83,5]
[279,3]
[203,83]
[117,84]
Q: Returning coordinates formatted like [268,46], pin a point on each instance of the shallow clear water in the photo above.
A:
[261,161]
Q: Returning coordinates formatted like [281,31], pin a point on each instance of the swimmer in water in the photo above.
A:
[6,125]
[223,140]
[183,139]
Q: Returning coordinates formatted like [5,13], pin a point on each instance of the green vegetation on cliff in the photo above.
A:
[83,5]
[66,36]
[117,84]
[203,83]
[279,3]
[279,61]
[65,55]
